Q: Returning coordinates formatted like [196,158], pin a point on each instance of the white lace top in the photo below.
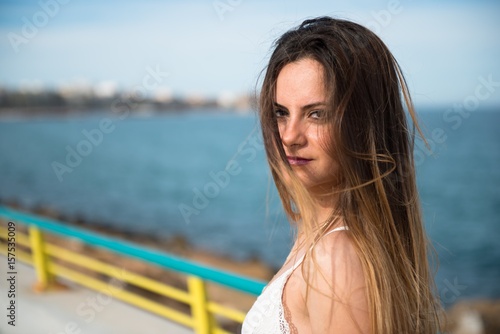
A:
[267,315]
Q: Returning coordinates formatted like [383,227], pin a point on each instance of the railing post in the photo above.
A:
[199,309]
[40,259]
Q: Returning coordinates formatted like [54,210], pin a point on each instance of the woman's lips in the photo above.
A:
[298,161]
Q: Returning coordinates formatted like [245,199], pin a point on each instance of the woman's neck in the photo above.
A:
[325,206]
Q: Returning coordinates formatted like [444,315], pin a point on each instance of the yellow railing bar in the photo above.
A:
[21,238]
[20,255]
[219,331]
[202,320]
[227,312]
[126,296]
[110,270]
[138,280]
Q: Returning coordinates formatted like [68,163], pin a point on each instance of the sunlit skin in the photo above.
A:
[300,109]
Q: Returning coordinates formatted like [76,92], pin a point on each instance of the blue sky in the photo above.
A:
[443,47]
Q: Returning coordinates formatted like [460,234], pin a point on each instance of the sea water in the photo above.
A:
[203,175]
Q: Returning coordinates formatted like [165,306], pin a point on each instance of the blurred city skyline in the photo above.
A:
[218,48]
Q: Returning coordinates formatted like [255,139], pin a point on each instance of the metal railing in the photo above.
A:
[201,318]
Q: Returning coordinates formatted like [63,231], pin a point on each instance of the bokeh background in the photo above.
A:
[138,116]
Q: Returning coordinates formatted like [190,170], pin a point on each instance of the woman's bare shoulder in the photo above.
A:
[337,252]
[337,295]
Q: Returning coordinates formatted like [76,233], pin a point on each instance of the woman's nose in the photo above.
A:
[292,133]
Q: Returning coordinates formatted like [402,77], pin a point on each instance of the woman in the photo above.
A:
[341,155]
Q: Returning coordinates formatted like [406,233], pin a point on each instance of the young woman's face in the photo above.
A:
[300,109]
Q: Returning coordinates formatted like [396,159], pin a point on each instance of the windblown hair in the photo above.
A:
[372,141]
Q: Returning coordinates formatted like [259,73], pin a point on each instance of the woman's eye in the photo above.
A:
[280,113]
[316,114]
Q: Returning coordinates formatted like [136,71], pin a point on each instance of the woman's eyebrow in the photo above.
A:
[277,105]
[306,107]
[313,105]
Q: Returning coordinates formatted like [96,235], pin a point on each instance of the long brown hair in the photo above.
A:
[372,141]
